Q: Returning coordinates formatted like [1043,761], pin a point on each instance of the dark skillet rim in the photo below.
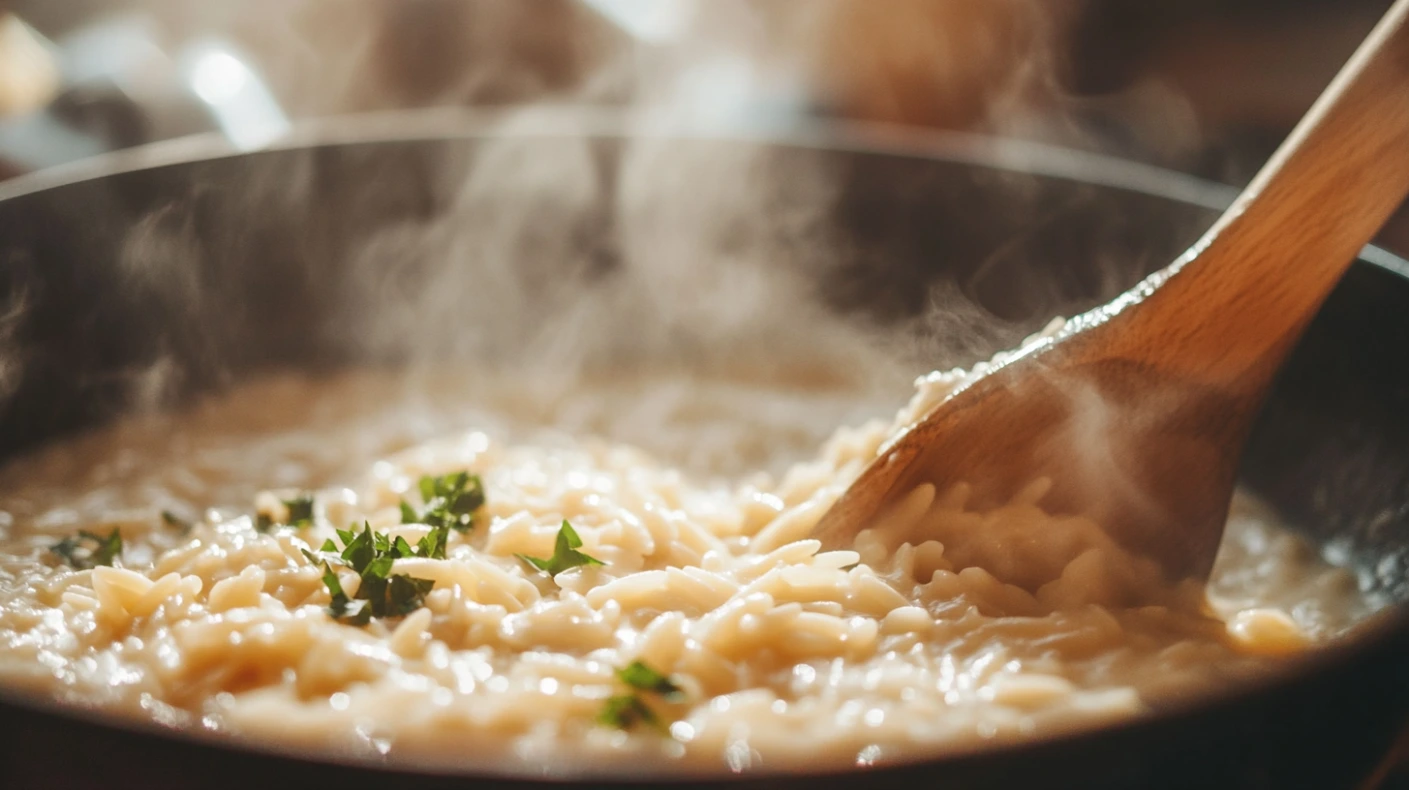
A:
[448,124]
[1019,156]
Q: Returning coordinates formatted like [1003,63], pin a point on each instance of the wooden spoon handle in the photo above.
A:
[1242,295]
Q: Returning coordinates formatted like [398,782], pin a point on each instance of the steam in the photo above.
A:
[569,258]
[12,313]
[579,256]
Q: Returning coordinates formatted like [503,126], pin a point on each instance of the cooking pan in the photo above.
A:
[145,278]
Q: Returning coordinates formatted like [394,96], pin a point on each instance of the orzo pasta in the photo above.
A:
[755,649]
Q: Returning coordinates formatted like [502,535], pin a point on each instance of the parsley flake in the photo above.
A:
[300,510]
[299,514]
[172,520]
[372,555]
[565,553]
[344,609]
[450,500]
[89,549]
[625,711]
[642,678]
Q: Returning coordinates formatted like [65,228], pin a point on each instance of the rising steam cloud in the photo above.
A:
[564,258]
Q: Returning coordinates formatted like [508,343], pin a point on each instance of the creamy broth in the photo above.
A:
[784,655]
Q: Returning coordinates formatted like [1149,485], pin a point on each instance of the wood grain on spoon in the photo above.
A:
[1138,411]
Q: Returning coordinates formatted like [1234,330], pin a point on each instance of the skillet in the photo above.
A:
[1010,232]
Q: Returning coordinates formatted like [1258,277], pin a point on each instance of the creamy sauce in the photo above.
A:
[788,656]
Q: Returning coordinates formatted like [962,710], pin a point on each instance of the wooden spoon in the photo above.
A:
[1138,410]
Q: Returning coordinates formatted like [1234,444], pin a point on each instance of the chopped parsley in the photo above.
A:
[642,678]
[450,500]
[342,608]
[565,553]
[89,549]
[624,711]
[172,520]
[371,556]
[300,510]
[299,515]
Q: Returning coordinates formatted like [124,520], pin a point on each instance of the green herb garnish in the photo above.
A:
[642,678]
[565,553]
[344,609]
[89,549]
[300,514]
[371,556]
[300,510]
[624,711]
[450,500]
[172,520]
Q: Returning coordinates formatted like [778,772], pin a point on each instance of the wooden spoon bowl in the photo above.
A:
[1138,410]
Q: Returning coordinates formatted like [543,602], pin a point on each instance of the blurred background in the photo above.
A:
[1208,87]
[1205,86]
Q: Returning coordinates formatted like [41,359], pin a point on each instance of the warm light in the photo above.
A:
[217,77]
[243,107]
[655,21]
